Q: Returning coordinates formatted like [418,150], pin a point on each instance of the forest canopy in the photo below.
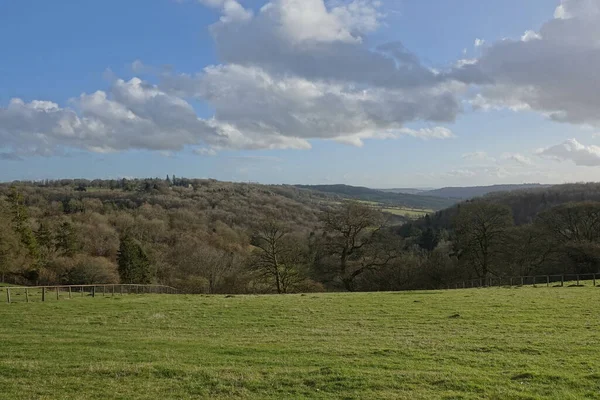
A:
[206,236]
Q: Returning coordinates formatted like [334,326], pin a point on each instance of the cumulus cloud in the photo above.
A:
[306,38]
[553,71]
[134,115]
[296,70]
[530,35]
[572,150]
[231,10]
[257,102]
[518,158]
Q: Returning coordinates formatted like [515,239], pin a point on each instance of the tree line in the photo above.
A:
[205,236]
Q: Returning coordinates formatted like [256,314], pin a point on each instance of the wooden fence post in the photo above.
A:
[522,282]
[57,293]
[104,290]
[8,295]
[548,280]
[70,292]
[511,281]
[81,290]
[94,291]
[577,280]
[27,295]
[121,289]
[43,294]
[562,280]
[113,290]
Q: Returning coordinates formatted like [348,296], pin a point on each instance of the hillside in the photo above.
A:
[396,199]
[405,190]
[464,193]
[526,204]
[71,230]
[205,236]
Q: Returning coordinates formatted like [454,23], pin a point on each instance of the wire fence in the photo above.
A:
[569,280]
[47,293]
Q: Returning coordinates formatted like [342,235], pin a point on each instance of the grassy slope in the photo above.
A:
[506,344]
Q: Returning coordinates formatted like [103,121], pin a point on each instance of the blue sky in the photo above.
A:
[292,91]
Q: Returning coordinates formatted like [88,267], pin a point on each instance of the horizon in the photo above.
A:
[383,94]
[424,189]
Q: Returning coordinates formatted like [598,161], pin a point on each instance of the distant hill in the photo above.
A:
[463,193]
[366,194]
[406,190]
[525,204]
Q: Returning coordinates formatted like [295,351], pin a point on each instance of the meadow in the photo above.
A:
[403,211]
[498,343]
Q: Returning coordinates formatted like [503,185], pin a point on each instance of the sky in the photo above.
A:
[378,93]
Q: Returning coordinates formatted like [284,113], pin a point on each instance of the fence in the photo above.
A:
[47,292]
[533,280]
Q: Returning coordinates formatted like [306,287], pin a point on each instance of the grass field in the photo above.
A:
[410,213]
[521,343]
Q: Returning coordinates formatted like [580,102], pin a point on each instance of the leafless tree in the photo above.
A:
[355,237]
[481,230]
[278,257]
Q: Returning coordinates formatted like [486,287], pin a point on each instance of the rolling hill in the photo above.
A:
[464,193]
[396,199]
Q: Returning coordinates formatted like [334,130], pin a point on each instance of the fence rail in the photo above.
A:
[81,290]
[533,280]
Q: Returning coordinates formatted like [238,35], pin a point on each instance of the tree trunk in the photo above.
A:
[278,280]
[348,284]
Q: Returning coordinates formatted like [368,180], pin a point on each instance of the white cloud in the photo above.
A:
[301,21]
[530,35]
[256,102]
[134,115]
[231,10]
[572,150]
[203,151]
[577,9]
[437,132]
[518,158]
[553,71]
[297,70]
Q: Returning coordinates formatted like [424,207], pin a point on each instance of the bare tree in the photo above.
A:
[574,229]
[278,257]
[356,239]
[481,232]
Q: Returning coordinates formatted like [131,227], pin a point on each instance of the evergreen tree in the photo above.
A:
[20,219]
[134,266]
[66,240]
[45,241]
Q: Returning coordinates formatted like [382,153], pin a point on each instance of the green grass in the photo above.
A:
[521,343]
[412,213]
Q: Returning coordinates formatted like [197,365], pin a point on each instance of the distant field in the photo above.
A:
[522,343]
[411,213]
